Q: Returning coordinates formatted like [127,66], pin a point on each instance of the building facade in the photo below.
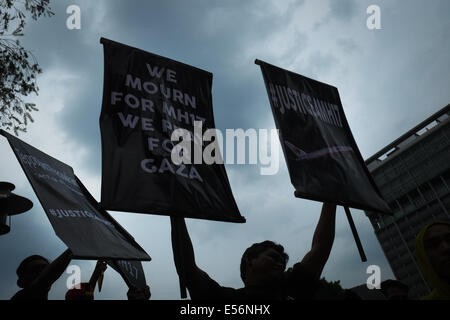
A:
[413,175]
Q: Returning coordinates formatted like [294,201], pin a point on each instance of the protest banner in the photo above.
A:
[145,98]
[88,231]
[322,157]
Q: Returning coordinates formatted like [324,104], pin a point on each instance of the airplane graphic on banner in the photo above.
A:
[302,155]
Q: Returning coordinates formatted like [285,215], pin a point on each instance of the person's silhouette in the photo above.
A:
[36,275]
[262,266]
[85,290]
[433,256]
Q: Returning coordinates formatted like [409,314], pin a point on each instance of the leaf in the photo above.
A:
[18,66]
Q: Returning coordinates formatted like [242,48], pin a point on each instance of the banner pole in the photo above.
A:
[179,257]
[355,234]
[183,293]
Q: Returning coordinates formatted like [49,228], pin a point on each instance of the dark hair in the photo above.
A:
[22,269]
[256,249]
[385,285]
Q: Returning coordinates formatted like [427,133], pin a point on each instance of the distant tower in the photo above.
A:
[413,175]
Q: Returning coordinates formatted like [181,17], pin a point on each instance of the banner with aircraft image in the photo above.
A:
[322,157]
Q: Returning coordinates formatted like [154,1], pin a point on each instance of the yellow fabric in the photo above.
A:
[441,289]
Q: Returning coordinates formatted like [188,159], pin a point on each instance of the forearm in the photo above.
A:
[183,251]
[322,242]
[94,278]
[54,270]
[196,280]
[95,275]
[324,234]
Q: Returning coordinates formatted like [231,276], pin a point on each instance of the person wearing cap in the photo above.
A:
[36,275]
[432,249]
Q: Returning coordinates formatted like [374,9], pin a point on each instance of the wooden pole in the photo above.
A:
[183,292]
[355,234]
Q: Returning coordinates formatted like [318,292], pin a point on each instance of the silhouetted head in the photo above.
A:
[436,242]
[29,269]
[263,263]
[394,290]
[81,292]
[432,249]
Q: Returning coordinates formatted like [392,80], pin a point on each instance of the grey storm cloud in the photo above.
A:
[348,45]
[343,9]
[182,34]
[389,80]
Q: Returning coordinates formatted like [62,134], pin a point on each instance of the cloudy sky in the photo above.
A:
[389,80]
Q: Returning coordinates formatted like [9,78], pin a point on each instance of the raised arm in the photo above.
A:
[196,280]
[53,271]
[314,261]
[100,267]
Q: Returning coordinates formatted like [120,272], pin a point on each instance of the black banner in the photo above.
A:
[322,157]
[89,232]
[145,98]
[131,272]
